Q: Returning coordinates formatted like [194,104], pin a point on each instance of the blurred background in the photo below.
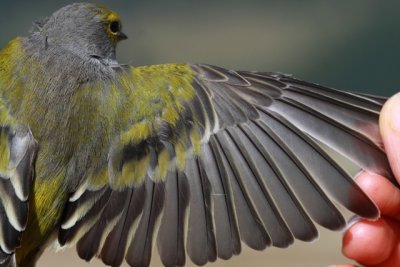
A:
[352,45]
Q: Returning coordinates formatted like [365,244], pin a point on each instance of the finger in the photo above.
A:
[389,123]
[394,258]
[385,195]
[368,242]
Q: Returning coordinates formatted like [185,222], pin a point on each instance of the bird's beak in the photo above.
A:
[122,36]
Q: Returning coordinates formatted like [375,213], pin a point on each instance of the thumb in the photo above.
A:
[389,122]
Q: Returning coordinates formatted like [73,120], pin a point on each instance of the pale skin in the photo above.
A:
[377,243]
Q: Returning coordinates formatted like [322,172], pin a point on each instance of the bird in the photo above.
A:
[194,159]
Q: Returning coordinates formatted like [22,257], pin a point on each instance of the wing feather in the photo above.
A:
[171,236]
[91,242]
[211,157]
[251,230]
[324,175]
[272,219]
[17,154]
[347,142]
[80,218]
[114,248]
[201,245]
[140,248]
[226,227]
[279,170]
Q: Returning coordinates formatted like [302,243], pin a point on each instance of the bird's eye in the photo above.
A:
[115,27]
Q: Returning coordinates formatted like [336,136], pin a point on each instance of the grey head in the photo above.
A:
[83,29]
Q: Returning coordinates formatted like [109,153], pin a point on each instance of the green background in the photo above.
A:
[351,45]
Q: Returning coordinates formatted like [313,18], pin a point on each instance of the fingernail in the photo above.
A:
[353,220]
[394,112]
[361,171]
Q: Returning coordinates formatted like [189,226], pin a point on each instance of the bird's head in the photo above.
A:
[82,28]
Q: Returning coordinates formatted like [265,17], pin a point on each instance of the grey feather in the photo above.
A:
[171,236]
[114,248]
[278,169]
[90,243]
[332,95]
[218,74]
[226,228]
[22,155]
[89,217]
[140,248]
[15,210]
[9,237]
[80,207]
[251,230]
[323,173]
[15,186]
[205,98]
[201,246]
[347,142]
[274,224]
[363,123]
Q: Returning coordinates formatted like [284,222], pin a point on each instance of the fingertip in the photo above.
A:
[389,122]
[378,188]
[390,117]
[369,242]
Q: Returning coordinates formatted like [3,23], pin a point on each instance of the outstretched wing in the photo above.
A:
[17,153]
[213,157]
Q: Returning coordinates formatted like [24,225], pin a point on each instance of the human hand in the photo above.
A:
[377,243]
